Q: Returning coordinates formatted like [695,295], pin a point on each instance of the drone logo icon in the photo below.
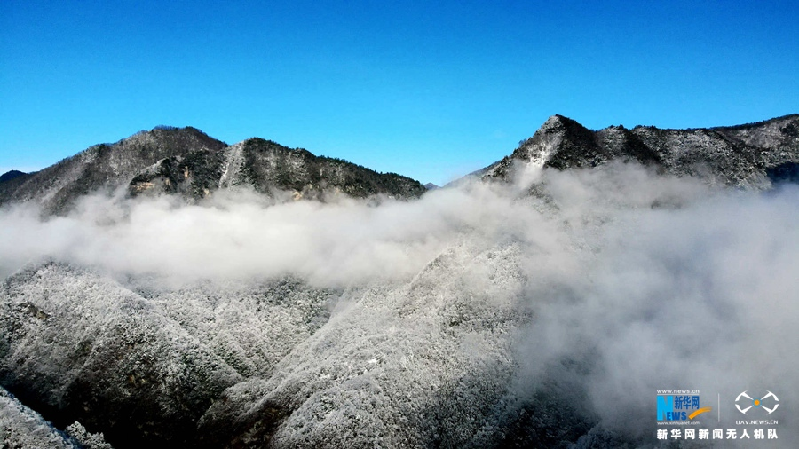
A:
[757,402]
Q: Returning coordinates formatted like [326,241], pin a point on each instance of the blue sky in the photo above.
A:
[428,89]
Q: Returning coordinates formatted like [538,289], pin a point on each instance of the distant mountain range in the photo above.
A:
[188,162]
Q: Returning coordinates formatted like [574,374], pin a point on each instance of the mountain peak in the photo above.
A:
[554,120]
[174,136]
[105,167]
[11,174]
[559,122]
[559,141]
[558,118]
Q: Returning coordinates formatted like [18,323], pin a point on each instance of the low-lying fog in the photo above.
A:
[651,282]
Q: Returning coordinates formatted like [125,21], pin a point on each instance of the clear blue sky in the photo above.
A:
[429,89]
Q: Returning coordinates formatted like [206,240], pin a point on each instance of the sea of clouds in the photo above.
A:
[649,281]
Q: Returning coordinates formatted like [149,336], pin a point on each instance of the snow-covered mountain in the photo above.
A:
[186,161]
[543,309]
[268,168]
[747,155]
[103,167]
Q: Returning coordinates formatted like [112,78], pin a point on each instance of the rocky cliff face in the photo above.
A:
[744,155]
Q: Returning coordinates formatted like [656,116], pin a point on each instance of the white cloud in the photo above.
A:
[664,282]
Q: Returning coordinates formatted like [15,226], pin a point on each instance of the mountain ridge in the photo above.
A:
[738,155]
[190,163]
[267,166]
[186,161]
